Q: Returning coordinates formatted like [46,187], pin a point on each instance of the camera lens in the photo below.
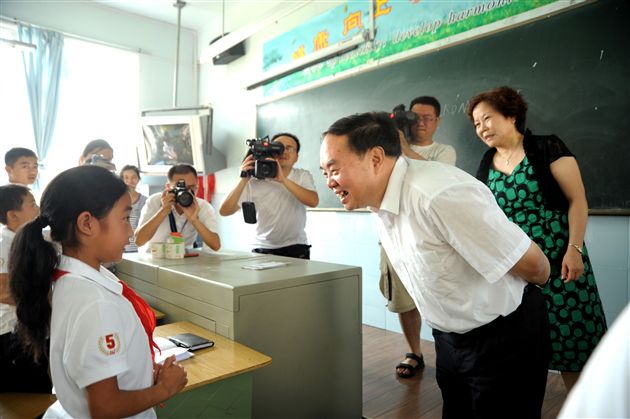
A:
[184,198]
[265,169]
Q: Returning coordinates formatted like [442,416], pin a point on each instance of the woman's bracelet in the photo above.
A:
[578,248]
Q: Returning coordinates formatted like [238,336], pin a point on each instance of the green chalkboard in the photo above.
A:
[572,68]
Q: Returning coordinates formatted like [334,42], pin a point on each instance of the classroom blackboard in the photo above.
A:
[572,68]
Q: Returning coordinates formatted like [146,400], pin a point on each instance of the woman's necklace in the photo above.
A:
[507,160]
[515,152]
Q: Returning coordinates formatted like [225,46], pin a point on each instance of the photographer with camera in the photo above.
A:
[275,195]
[176,209]
[427,110]
[418,125]
[98,153]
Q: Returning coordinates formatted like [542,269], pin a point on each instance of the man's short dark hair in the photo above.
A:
[15,153]
[427,100]
[287,134]
[368,130]
[180,169]
[11,199]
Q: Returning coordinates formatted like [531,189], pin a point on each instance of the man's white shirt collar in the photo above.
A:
[391,199]
[103,277]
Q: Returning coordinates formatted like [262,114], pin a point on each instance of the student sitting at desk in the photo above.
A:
[167,212]
[19,372]
[101,332]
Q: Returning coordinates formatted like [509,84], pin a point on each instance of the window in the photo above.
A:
[98,98]
[15,115]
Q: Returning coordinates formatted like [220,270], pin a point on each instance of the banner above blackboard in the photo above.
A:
[401,27]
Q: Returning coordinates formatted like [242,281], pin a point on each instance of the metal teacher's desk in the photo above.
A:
[306,316]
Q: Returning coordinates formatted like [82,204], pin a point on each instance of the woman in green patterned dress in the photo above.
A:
[536,181]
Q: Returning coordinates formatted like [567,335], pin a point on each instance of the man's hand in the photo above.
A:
[168,200]
[145,232]
[248,164]
[406,150]
[280,177]
[191,212]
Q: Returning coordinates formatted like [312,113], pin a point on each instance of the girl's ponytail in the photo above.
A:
[31,265]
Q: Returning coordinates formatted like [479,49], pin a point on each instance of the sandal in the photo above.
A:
[408,369]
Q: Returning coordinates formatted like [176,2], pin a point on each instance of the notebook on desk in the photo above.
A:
[190,341]
[168,348]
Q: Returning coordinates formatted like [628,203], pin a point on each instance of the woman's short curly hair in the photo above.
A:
[504,100]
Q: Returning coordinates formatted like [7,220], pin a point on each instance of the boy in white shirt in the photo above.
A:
[21,166]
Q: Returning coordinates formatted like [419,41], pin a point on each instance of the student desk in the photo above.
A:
[219,382]
[305,315]
[219,379]
[159,316]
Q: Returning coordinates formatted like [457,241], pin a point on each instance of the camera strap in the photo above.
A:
[171,221]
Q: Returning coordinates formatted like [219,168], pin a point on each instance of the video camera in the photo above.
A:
[182,195]
[404,120]
[261,149]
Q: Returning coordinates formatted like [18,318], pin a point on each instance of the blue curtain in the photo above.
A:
[43,70]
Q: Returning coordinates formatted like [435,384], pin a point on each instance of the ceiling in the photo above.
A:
[198,13]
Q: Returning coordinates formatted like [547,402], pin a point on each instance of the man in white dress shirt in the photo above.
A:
[419,146]
[469,269]
[162,215]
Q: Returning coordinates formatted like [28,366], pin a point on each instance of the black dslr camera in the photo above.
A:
[182,195]
[404,120]
[261,149]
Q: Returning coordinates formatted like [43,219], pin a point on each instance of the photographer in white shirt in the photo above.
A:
[280,202]
[162,215]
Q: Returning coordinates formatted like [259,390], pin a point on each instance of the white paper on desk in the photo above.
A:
[168,348]
[258,266]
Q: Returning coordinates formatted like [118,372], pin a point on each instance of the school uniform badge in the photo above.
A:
[109,344]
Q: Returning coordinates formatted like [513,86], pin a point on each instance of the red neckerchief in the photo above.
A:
[144,312]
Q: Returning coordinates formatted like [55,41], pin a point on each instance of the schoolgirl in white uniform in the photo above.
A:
[100,331]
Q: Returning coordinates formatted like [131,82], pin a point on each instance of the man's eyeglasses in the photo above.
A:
[427,119]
